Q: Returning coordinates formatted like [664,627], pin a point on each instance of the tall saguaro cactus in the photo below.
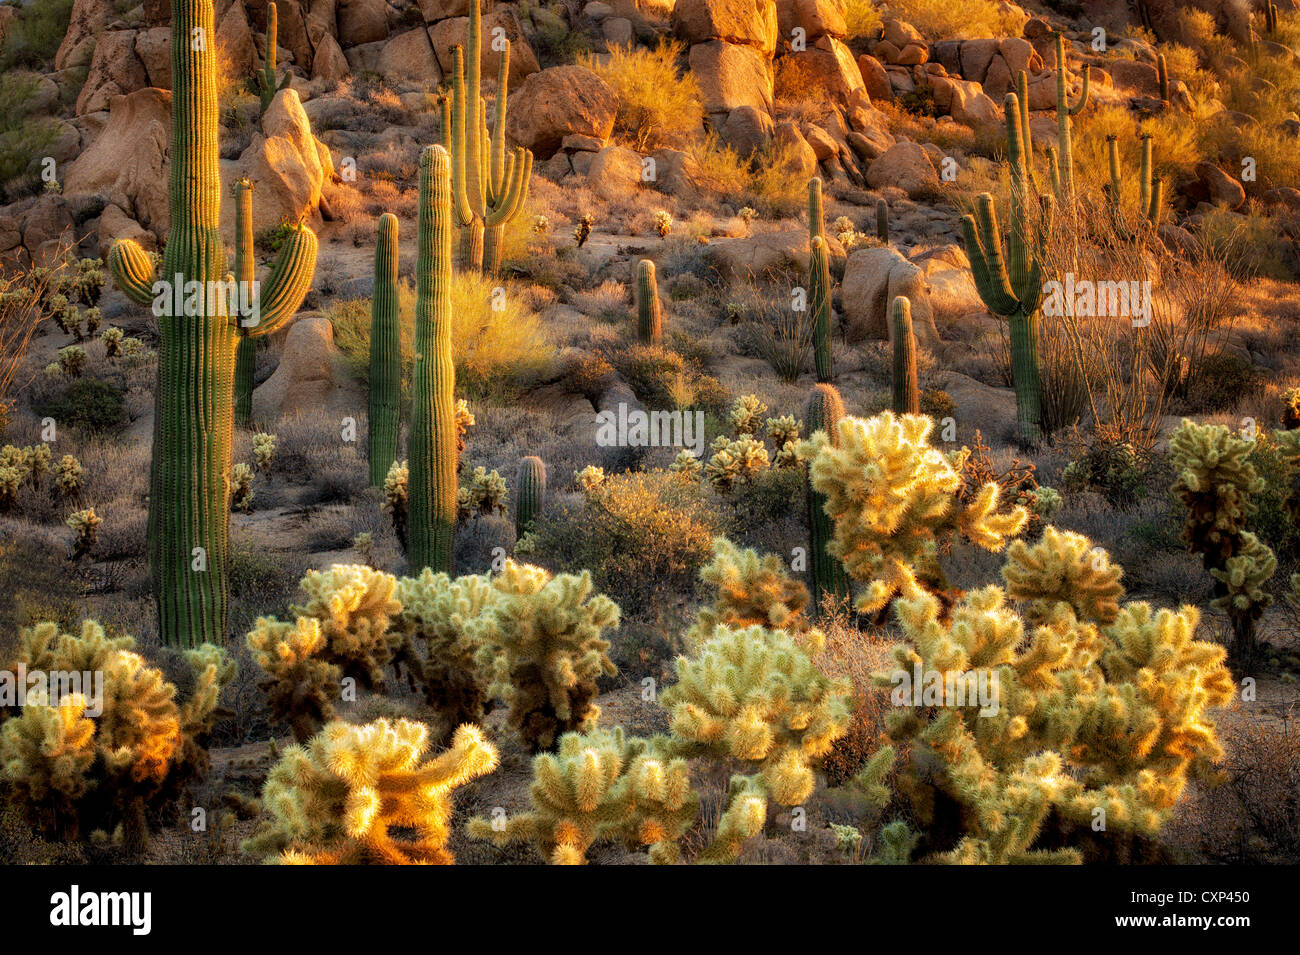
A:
[264,80]
[245,273]
[824,411]
[489,185]
[1063,169]
[1011,284]
[819,282]
[189,490]
[385,355]
[1150,189]
[907,395]
[649,311]
[432,501]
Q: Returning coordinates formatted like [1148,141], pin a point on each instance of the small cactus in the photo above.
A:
[241,488]
[85,524]
[907,397]
[824,411]
[69,477]
[649,312]
[530,493]
[264,451]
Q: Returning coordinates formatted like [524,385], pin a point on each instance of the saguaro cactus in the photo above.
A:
[649,313]
[490,187]
[819,296]
[907,396]
[432,506]
[1162,72]
[824,411]
[1011,285]
[1150,189]
[816,213]
[385,355]
[1270,16]
[1063,169]
[530,493]
[245,272]
[264,80]
[189,497]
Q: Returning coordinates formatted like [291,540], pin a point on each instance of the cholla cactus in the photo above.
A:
[11,482]
[263,451]
[355,606]
[686,464]
[72,360]
[134,350]
[85,525]
[754,695]
[1084,721]
[396,496]
[111,775]
[784,432]
[746,415]
[364,545]
[464,421]
[747,215]
[751,591]
[436,610]
[541,225]
[589,478]
[1063,567]
[1291,409]
[300,685]
[241,488]
[1047,502]
[542,637]
[663,223]
[486,493]
[894,499]
[94,318]
[601,786]
[36,460]
[1216,483]
[735,462]
[112,341]
[368,795]
[583,231]
[69,477]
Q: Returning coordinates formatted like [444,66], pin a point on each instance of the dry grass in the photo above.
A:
[658,105]
[940,19]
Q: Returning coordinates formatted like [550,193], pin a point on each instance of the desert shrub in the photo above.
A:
[91,405]
[764,182]
[773,329]
[23,138]
[657,105]
[644,536]
[499,345]
[939,19]
[34,36]
[1221,381]
[588,374]
[861,17]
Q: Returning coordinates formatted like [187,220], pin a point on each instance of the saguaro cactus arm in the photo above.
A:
[132,270]
[289,282]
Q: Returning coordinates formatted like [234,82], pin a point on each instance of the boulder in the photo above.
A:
[678,174]
[747,130]
[873,278]
[435,10]
[1132,75]
[362,21]
[47,222]
[287,165]
[114,71]
[154,50]
[615,173]
[311,378]
[559,102]
[409,57]
[87,20]
[617,31]
[731,76]
[769,254]
[1224,189]
[235,41]
[115,224]
[874,77]
[815,17]
[906,166]
[329,63]
[744,22]
[523,61]
[827,65]
[128,160]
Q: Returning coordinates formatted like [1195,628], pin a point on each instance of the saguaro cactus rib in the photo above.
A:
[433,409]
[189,509]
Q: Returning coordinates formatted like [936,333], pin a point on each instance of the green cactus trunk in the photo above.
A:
[819,295]
[882,221]
[385,355]
[264,80]
[1010,284]
[907,395]
[1162,72]
[245,273]
[649,312]
[189,495]
[816,211]
[824,411]
[1065,142]
[530,493]
[432,456]
[489,183]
